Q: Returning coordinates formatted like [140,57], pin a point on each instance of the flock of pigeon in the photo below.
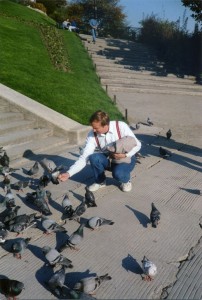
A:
[12,221]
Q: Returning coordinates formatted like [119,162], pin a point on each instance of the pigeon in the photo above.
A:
[149,269]
[72,294]
[44,180]
[20,185]
[6,183]
[8,171]
[89,198]
[9,214]
[3,233]
[54,177]
[79,210]
[56,282]
[22,222]
[164,153]
[18,247]
[55,258]
[154,216]
[75,238]
[11,288]
[149,122]
[4,160]
[51,226]
[89,285]
[51,168]
[48,165]
[38,199]
[96,222]
[67,205]
[168,134]
[9,198]
[34,169]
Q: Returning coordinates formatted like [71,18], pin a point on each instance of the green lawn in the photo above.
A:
[26,65]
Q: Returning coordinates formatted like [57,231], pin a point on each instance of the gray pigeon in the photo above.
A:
[89,285]
[56,282]
[89,198]
[149,269]
[67,205]
[8,171]
[4,159]
[20,185]
[11,288]
[6,183]
[34,169]
[154,216]
[79,210]
[96,222]
[48,165]
[38,199]
[3,233]
[9,214]
[9,198]
[18,247]
[55,258]
[51,168]
[75,239]
[22,222]
[73,294]
[168,134]
[51,226]
[44,180]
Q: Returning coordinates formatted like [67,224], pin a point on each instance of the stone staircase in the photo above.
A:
[125,66]
[25,133]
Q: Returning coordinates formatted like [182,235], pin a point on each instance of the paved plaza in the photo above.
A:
[173,184]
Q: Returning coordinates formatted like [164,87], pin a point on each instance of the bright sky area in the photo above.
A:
[171,10]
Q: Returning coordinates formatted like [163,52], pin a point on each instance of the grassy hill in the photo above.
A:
[49,65]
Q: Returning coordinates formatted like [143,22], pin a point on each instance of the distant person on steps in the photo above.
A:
[94,24]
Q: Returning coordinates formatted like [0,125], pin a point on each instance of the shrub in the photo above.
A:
[39,6]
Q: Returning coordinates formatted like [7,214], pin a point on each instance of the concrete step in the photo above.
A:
[115,51]
[109,63]
[8,116]
[15,125]
[19,153]
[26,135]
[127,71]
[144,76]
[150,83]
[4,108]
[145,60]
[111,89]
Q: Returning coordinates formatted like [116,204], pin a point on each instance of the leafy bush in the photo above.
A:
[39,6]
[174,45]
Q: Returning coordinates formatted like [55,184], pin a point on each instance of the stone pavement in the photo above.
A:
[172,184]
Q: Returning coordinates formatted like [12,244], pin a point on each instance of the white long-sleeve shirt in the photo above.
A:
[104,140]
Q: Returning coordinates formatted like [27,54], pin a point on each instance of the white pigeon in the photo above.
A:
[149,269]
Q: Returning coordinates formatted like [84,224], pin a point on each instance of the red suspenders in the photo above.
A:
[118,131]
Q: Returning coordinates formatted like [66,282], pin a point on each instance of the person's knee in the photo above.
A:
[121,175]
[94,158]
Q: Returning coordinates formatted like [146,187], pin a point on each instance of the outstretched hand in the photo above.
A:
[63,177]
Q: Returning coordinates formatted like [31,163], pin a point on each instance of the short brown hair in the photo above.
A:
[100,116]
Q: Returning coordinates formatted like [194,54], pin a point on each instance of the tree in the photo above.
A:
[108,13]
[52,5]
[196,7]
